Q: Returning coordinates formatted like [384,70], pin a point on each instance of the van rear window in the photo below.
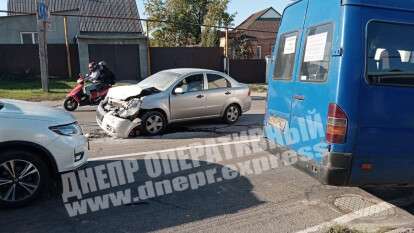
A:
[317,53]
[286,54]
[390,55]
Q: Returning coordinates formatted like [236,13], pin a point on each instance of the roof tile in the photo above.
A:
[106,8]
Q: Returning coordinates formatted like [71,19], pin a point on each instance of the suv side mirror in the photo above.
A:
[178,91]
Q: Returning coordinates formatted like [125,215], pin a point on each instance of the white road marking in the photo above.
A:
[170,150]
[366,212]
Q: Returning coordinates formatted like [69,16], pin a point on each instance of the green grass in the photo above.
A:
[259,88]
[31,89]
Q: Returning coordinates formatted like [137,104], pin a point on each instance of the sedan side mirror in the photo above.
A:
[178,91]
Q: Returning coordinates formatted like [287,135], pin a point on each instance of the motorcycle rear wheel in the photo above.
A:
[70,104]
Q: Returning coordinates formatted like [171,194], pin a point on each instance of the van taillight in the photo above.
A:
[337,125]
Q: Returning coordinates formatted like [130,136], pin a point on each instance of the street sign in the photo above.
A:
[42,11]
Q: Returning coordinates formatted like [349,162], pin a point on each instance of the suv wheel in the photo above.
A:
[153,123]
[22,178]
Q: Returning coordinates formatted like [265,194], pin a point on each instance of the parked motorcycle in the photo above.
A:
[77,97]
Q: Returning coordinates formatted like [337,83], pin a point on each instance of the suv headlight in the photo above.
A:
[67,130]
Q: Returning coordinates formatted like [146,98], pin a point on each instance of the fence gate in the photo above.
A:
[123,60]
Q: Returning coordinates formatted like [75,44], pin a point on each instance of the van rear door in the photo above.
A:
[317,79]
[281,84]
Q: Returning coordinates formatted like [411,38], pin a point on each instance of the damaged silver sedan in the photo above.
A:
[172,96]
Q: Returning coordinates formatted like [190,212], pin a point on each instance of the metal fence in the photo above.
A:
[24,60]
[248,71]
[188,57]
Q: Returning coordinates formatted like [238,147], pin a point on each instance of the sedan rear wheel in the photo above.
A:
[22,178]
[232,114]
[153,123]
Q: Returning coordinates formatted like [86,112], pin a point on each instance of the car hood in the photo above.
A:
[34,111]
[124,92]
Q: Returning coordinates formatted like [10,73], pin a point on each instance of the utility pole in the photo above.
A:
[65,25]
[148,48]
[226,52]
[42,14]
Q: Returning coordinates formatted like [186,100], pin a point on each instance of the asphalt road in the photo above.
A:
[280,199]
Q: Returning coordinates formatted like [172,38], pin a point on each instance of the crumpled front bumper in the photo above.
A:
[113,125]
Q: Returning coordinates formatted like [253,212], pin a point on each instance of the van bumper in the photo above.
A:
[335,169]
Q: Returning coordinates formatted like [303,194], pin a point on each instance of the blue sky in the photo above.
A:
[244,8]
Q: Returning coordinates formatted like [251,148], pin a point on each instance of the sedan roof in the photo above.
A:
[184,71]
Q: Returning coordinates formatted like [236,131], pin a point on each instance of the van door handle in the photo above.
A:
[228,93]
[299,97]
[200,96]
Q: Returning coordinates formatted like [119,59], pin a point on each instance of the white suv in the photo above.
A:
[36,144]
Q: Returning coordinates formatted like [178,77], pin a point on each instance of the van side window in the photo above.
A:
[317,54]
[286,54]
[390,55]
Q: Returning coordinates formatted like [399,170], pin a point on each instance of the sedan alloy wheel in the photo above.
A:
[232,114]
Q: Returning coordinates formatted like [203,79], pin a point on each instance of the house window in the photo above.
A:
[259,52]
[28,37]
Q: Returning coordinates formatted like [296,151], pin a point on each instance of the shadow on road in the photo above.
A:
[400,197]
[210,128]
[212,200]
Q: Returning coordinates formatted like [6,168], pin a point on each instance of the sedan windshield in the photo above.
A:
[161,81]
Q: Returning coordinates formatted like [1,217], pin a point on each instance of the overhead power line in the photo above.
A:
[62,13]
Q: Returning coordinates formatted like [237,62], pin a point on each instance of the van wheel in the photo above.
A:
[232,114]
[153,123]
[70,104]
[23,177]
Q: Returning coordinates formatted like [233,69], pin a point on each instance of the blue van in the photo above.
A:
[341,90]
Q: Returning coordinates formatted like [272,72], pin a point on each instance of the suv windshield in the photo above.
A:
[390,52]
[161,81]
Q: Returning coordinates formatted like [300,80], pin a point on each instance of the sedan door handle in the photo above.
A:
[299,97]
[200,96]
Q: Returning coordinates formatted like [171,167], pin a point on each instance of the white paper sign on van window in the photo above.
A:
[290,45]
[315,47]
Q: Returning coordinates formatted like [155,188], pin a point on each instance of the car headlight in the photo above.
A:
[67,130]
[132,108]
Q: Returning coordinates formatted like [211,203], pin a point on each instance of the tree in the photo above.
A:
[184,19]
[242,47]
